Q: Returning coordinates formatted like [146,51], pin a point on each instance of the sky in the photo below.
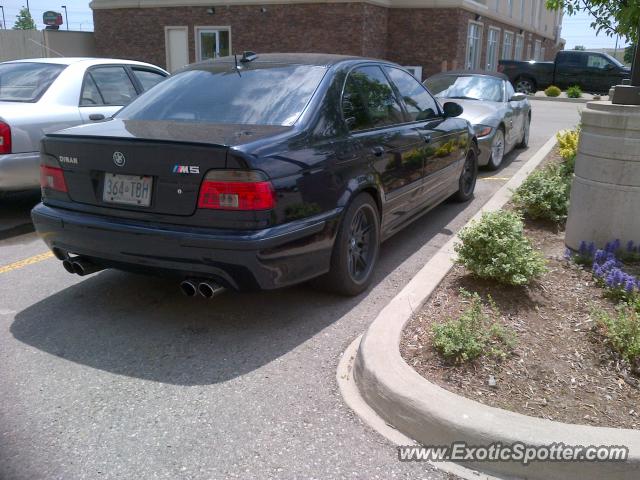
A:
[575,29]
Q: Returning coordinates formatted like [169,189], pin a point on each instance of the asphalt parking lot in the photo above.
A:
[120,376]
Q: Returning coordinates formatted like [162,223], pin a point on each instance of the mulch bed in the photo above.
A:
[561,368]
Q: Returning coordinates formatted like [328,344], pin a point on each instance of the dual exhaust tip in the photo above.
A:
[206,288]
[80,266]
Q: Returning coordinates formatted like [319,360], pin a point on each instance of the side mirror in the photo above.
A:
[452,109]
[518,97]
[608,66]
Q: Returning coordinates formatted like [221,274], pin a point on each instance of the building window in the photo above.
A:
[212,42]
[522,8]
[474,37]
[528,52]
[510,7]
[519,50]
[492,49]
[543,54]
[534,8]
[537,50]
[497,5]
[507,46]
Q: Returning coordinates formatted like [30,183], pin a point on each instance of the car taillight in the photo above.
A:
[236,190]
[5,138]
[53,178]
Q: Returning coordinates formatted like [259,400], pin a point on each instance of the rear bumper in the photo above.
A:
[243,260]
[20,171]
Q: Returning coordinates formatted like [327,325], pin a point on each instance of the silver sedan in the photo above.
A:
[500,117]
[38,96]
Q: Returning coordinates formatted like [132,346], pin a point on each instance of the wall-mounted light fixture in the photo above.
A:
[211,10]
[521,31]
[263,9]
[478,17]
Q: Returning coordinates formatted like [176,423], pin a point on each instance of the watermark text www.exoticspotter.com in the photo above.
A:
[514,452]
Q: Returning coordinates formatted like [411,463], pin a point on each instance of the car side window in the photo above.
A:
[368,100]
[597,61]
[571,59]
[90,95]
[419,102]
[148,78]
[114,85]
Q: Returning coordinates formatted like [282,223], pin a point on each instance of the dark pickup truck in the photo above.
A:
[594,72]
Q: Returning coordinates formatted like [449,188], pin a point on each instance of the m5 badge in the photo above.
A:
[188,169]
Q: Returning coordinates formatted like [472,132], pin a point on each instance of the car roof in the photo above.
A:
[475,73]
[76,60]
[313,59]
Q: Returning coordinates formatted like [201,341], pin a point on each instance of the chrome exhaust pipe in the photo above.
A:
[188,288]
[210,289]
[84,267]
[68,265]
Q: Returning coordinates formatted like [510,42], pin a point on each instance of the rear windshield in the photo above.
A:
[26,82]
[261,94]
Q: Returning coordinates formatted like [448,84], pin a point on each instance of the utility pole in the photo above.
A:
[635,68]
[66,17]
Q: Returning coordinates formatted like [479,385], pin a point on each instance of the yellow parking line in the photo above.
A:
[27,261]
[495,178]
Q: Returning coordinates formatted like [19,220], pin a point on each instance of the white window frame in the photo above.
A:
[479,46]
[518,53]
[494,67]
[537,49]
[415,70]
[507,55]
[205,28]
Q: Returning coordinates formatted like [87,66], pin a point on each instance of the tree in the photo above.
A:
[612,17]
[24,20]
[629,52]
[579,47]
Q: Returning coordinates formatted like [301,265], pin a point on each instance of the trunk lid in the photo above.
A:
[175,155]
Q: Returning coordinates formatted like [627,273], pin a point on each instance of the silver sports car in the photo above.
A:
[38,96]
[500,117]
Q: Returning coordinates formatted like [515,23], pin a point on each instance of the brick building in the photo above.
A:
[428,35]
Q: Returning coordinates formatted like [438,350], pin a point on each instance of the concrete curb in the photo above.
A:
[434,416]
[558,99]
[353,399]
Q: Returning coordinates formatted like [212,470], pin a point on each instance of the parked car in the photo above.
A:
[501,118]
[38,96]
[593,72]
[278,170]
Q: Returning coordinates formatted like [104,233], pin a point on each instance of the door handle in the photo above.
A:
[96,116]
[377,151]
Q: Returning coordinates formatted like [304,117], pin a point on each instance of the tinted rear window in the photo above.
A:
[261,94]
[26,82]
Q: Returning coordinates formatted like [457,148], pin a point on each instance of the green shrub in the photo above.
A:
[623,332]
[544,194]
[574,92]
[473,333]
[496,248]
[552,91]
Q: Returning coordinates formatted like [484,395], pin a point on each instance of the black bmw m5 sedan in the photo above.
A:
[255,172]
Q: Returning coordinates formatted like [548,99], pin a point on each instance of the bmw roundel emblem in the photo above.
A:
[118,159]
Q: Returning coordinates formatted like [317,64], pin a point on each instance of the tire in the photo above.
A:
[468,177]
[524,142]
[351,273]
[525,85]
[498,148]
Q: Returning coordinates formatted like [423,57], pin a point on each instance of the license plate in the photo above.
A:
[127,189]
